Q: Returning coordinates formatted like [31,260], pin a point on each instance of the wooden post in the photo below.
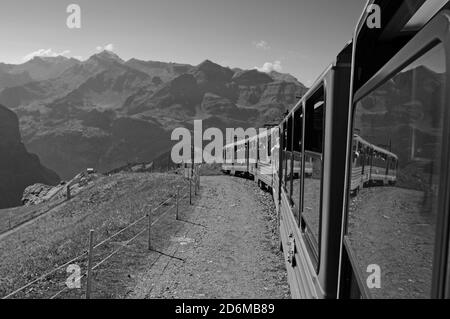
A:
[196,179]
[149,230]
[178,196]
[190,191]
[195,182]
[89,270]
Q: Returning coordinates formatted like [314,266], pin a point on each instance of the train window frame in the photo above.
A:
[298,132]
[289,155]
[258,156]
[314,246]
[283,153]
[435,33]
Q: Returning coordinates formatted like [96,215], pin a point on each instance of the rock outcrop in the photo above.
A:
[18,168]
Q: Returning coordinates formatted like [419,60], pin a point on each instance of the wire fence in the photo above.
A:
[190,172]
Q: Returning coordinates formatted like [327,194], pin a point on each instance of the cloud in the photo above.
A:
[270,66]
[263,45]
[45,53]
[108,47]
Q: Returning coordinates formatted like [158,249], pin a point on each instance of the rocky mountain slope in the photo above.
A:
[105,112]
[18,168]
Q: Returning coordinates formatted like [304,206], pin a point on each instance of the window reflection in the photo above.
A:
[312,190]
[289,174]
[297,158]
[296,182]
[284,156]
[394,182]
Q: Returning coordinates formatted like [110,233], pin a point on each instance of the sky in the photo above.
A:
[300,37]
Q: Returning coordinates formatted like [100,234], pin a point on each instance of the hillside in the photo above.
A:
[105,112]
[108,206]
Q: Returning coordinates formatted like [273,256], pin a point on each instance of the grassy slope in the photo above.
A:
[113,203]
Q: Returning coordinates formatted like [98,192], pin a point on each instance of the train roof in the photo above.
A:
[375,147]
[266,132]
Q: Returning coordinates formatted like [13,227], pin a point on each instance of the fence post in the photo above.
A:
[89,270]
[178,197]
[149,230]
[195,181]
[68,192]
[190,190]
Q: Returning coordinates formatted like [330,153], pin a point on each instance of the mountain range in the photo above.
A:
[105,112]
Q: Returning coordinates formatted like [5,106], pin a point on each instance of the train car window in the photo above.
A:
[227,157]
[263,149]
[269,145]
[289,163]
[258,152]
[253,150]
[240,152]
[275,154]
[312,172]
[283,154]
[297,158]
[392,212]
[247,152]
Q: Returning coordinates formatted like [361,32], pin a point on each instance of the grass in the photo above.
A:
[13,217]
[110,205]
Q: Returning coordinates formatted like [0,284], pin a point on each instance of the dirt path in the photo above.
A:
[228,246]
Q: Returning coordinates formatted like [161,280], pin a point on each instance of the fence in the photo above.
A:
[192,176]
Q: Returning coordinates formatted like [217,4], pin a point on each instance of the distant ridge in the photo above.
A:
[105,112]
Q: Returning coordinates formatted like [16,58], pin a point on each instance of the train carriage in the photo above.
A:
[275,161]
[399,137]
[228,157]
[253,156]
[241,161]
[236,161]
[313,136]
[264,176]
[360,167]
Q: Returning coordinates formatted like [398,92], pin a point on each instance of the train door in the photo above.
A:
[395,242]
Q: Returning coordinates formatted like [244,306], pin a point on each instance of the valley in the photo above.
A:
[106,112]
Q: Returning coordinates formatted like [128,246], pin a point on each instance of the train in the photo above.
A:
[359,168]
